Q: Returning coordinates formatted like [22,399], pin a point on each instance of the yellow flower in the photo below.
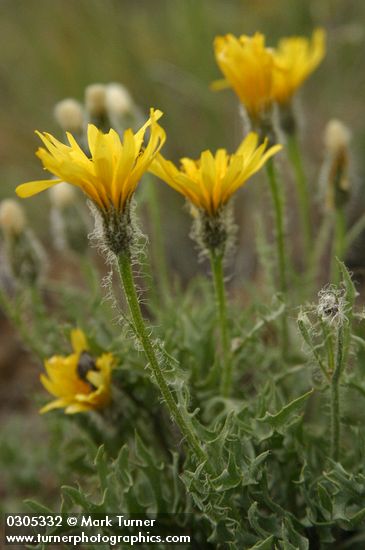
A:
[248,68]
[209,182]
[78,382]
[110,177]
[296,58]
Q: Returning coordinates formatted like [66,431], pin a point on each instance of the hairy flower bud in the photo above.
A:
[95,103]
[118,100]
[69,115]
[336,136]
[335,171]
[69,226]
[12,217]
[62,195]
[24,255]
[95,99]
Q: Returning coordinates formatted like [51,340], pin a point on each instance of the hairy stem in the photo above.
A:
[179,416]
[16,317]
[216,261]
[339,243]
[335,396]
[278,202]
[277,198]
[355,231]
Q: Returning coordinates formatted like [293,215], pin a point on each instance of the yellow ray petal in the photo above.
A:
[78,341]
[31,188]
[77,408]
[57,404]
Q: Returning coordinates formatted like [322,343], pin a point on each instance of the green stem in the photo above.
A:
[355,231]
[340,233]
[308,340]
[278,202]
[126,275]
[335,397]
[277,197]
[11,310]
[158,245]
[327,336]
[216,261]
[319,248]
[339,243]
[303,192]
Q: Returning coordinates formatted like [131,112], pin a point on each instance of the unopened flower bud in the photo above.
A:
[119,101]
[62,195]
[24,256]
[69,115]
[68,224]
[335,171]
[336,136]
[95,103]
[95,99]
[12,217]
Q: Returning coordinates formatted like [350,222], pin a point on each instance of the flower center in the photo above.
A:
[86,364]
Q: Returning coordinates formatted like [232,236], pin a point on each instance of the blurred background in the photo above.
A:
[162,52]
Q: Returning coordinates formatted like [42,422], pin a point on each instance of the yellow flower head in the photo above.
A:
[248,68]
[78,382]
[209,182]
[110,177]
[296,58]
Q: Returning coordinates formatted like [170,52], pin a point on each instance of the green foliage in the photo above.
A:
[270,483]
[269,478]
